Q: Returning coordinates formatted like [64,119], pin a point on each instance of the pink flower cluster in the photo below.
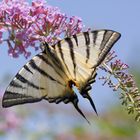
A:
[9,121]
[118,65]
[29,25]
[118,70]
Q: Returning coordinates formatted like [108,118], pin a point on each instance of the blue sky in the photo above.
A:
[120,15]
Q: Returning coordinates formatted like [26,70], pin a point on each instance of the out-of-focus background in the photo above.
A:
[44,121]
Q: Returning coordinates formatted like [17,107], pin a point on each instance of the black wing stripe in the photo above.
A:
[106,38]
[87,38]
[41,71]
[23,80]
[71,47]
[60,51]
[62,55]
[87,41]
[12,98]
[27,68]
[53,56]
[75,38]
[47,48]
[50,64]
[55,59]
[94,33]
[15,84]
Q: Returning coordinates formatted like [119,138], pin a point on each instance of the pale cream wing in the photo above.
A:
[39,79]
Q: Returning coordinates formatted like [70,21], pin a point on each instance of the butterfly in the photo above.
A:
[52,74]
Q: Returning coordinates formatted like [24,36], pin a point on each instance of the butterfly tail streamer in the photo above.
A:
[75,103]
[91,102]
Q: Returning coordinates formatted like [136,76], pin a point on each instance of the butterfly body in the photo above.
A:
[51,74]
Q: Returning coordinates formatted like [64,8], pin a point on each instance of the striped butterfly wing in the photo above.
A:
[39,79]
[51,74]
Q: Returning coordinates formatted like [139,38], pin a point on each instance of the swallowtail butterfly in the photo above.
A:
[51,74]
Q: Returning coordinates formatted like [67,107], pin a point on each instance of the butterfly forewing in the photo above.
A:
[83,52]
